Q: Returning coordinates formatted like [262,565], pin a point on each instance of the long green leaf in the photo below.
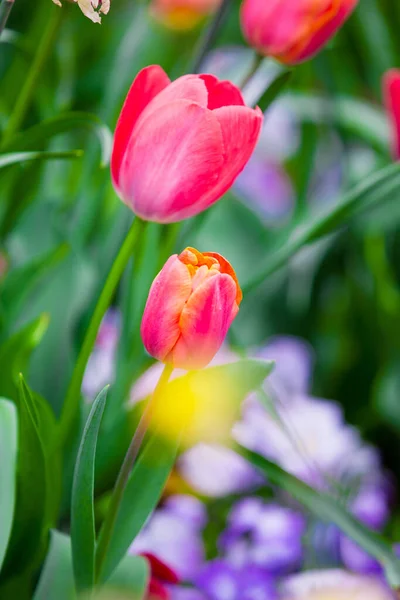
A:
[83,534]
[385,183]
[131,575]
[56,580]
[327,509]
[13,158]
[8,454]
[141,496]
[31,138]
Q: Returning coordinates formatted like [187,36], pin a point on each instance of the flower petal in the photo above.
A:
[147,84]
[391,93]
[204,322]
[222,93]
[171,161]
[167,297]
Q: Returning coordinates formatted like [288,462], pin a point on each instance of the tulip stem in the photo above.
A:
[5,9]
[256,63]
[71,403]
[125,471]
[210,35]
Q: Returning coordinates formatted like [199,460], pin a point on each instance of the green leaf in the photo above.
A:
[15,353]
[132,575]
[327,509]
[8,454]
[370,193]
[31,511]
[31,138]
[56,580]
[141,496]
[19,282]
[83,534]
[13,158]
[274,89]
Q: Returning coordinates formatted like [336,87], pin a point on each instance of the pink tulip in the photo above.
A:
[391,94]
[182,15]
[179,146]
[292,31]
[191,305]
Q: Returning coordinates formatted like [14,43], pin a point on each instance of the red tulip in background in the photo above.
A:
[391,94]
[160,577]
[179,146]
[292,31]
[190,307]
[182,14]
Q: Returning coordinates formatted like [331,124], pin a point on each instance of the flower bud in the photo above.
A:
[191,305]
[182,15]
[179,146]
[391,94]
[292,31]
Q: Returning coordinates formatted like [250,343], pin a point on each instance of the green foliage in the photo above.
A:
[8,453]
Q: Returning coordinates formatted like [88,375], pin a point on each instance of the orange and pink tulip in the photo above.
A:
[391,95]
[179,146]
[191,305]
[292,31]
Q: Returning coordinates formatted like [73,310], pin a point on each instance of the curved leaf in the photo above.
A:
[13,158]
[72,121]
[56,579]
[8,454]
[83,534]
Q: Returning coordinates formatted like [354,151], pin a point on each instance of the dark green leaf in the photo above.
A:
[83,534]
[273,91]
[31,138]
[56,580]
[8,454]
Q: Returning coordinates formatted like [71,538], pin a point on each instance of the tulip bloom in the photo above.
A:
[191,305]
[391,94]
[161,576]
[292,31]
[182,15]
[179,146]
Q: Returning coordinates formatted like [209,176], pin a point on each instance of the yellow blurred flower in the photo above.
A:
[182,15]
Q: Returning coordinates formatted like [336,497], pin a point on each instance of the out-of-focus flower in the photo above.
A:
[182,15]
[179,146]
[92,9]
[391,95]
[334,584]
[309,438]
[191,305]
[100,369]
[175,537]
[216,471]
[293,32]
[161,577]
[220,580]
[266,535]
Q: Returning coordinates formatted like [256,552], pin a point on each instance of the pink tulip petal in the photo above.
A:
[204,322]
[167,297]
[221,93]
[147,84]
[173,159]
[391,94]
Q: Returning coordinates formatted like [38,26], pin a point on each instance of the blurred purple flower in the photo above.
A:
[213,470]
[220,580]
[100,369]
[184,593]
[265,535]
[309,438]
[356,559]
[174,538]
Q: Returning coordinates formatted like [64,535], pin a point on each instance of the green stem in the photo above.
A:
[42,54]
[125,471]
[71,404]
[256,63]
[326,509]
[5,9]
[207,41]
